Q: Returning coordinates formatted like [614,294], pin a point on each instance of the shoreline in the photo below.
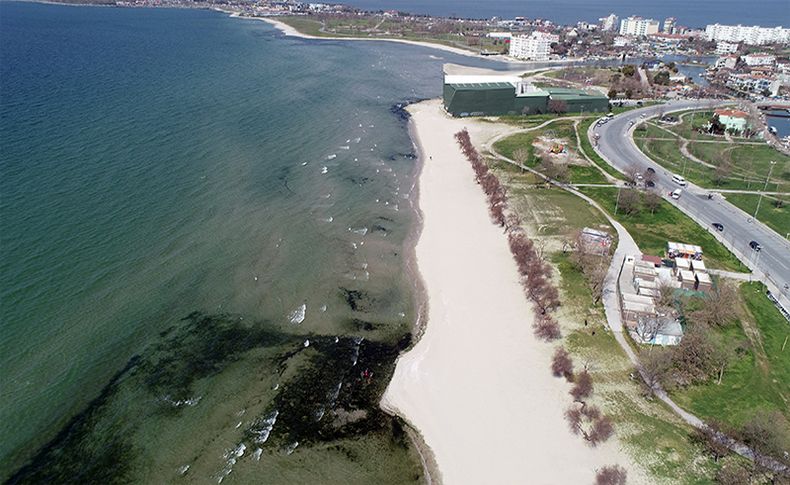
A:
[476,385]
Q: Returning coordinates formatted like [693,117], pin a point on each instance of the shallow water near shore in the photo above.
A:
[205,229]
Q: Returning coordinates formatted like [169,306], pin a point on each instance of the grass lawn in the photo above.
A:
[759,377]
[752,161]
[650,130]
[652,231]
[777,219]
[586,145]
[548,211]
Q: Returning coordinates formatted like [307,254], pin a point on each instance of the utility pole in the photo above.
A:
[767,179]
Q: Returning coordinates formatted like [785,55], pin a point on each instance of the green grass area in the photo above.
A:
[652,231]
[550,211]
[654,436]
[586,145]
[362,27]
[651,130]
[508,146]
[748,161]
[690,122]
[579,174]
[758,377]
[777,218]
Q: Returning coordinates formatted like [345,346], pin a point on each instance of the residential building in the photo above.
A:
[621,41]
[723,48]
[534,47]
[637,26]
[727,62]
[754,84]
[734,121]
[608,23]
[759,59]
[669,25]
[754,35]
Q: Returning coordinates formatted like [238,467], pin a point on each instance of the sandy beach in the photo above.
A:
[477,385]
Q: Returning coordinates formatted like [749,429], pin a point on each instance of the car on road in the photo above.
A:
[755,245]
[718,226]
[651,170]
[650,183]
[675,194]
[679,180]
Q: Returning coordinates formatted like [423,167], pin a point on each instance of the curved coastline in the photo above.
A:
[476,384]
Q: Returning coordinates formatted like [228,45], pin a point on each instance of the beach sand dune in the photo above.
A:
[477,385]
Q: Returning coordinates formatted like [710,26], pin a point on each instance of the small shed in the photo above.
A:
[682,264]
[654,260]
[698,265]
[687,279]
[703,281]
[681,250]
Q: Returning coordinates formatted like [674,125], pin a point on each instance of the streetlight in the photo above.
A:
[767,179]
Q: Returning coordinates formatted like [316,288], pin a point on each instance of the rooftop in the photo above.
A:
[732,113]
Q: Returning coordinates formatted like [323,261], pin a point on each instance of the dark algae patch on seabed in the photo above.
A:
[311,412]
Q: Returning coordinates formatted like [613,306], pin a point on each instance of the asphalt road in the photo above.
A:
[771,264]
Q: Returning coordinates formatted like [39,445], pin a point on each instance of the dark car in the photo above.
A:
[650,170]
[650,183]
[718,226]
[755,245]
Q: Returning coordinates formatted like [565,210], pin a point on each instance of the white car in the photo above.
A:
[675,194]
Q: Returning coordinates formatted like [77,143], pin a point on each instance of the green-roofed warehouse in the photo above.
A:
[502,95]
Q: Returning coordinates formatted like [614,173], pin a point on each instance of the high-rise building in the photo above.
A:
[669,25]
[535,47]
[723,48]
[754,35]
[637,26]
[608,23]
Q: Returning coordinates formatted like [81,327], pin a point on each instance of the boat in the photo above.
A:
[772,129]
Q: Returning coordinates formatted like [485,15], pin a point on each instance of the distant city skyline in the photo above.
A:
[770,13]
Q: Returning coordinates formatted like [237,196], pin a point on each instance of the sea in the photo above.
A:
[206,234]
[695,14]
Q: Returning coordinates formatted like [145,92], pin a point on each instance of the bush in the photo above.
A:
[562,365]
[611,475]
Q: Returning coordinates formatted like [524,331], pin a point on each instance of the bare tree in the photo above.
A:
[561,364]
[558,106]
[766,433]
[611,475]
[655,364]
[652,201]
[722,172]
[521,156]
[553,170]
[583,386]
[666,294]
[590,423]
[717,306]
[547,329]
[630,201]
[713,439]
[734,474]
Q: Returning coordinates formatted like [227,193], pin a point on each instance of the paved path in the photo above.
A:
[611,300]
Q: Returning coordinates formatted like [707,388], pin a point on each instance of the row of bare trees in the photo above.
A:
[584,419]
[497,196]
[535,273]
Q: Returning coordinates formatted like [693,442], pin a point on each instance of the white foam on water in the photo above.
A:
[239,425]
[290,448]
[326,196]
[182,402]
[335,393]
[323,309]
[319,414]
[265,429]
[357,139]
[331,157]
[328,219]
[297,316]
[307,343]
[256,455]
[345,147]
[324,169]
[361,231]
[304,163]
[182,470]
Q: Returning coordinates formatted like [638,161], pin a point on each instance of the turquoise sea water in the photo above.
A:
[157,163]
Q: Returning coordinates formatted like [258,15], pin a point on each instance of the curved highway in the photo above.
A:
[771,265]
